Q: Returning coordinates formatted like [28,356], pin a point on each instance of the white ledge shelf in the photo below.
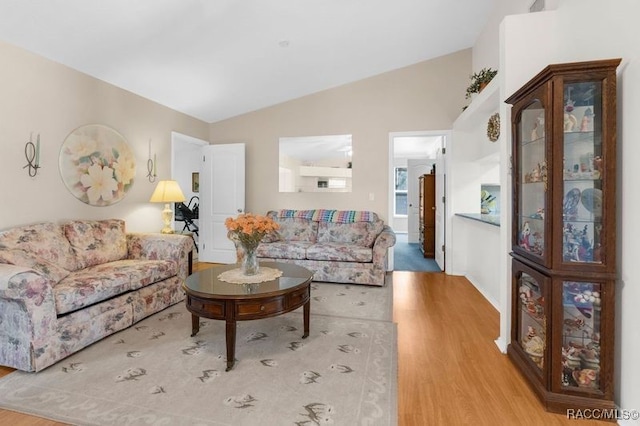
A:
[491,219]
[481,107]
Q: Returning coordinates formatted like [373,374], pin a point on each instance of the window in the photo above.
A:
[400,199]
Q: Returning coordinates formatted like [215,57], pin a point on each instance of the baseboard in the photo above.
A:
[501,343]
[473,281]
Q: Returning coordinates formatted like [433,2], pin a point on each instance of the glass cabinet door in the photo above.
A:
[583,159]
[530,315]
[581,334]
[532,182]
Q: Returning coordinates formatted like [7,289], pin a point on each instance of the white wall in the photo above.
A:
[481,264]
[41,96]
[486,53]
[422,97]
[520,59]
[472,161]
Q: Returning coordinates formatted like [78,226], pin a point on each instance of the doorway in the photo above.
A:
[186,154]
[219,171]
[412,154]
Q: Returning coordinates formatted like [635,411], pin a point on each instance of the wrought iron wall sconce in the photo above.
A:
[32,154]
[152,172]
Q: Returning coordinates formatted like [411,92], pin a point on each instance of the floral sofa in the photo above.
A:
[65,286]
[342,246]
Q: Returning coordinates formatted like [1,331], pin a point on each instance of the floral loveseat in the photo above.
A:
[63,287]
[342,246]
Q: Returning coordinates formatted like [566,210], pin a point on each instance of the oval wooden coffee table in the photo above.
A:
[208,297]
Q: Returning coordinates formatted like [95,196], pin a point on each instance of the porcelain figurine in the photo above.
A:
[586,125]
[524,236]
[538,128]
[570,122]
[597,166]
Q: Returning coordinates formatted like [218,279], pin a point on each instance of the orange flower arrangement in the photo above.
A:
[250,229]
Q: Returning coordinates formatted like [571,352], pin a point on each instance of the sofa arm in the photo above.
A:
[176,247]
[384,240]
[27,314]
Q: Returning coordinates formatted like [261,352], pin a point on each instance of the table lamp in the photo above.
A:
[167,191]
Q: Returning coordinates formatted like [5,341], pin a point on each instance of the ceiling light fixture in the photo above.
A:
[283,43]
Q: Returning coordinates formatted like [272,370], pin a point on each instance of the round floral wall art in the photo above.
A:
[97,165]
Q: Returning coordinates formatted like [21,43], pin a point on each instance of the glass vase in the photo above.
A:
[239,248]
[250,265]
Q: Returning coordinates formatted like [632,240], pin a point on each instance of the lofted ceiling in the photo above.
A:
[215,59]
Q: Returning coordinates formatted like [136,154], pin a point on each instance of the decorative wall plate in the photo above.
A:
[97,165]
[493,127]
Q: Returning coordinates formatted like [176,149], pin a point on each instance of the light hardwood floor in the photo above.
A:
[450,371]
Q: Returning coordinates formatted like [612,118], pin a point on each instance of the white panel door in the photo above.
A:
[441,205]
[222,191]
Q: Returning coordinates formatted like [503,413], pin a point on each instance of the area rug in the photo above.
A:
[353,301]
[154,373]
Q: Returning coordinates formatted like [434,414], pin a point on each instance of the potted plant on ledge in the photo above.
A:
[479,80]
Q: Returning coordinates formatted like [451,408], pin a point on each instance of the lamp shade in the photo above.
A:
[167,191]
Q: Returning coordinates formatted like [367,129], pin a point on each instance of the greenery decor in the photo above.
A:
[479,80]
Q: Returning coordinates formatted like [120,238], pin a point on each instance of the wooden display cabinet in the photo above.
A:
[427,215]
[563,236]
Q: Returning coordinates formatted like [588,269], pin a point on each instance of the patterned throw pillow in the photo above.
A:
[97,241]
[21,258]
[359,233]
[297,229]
